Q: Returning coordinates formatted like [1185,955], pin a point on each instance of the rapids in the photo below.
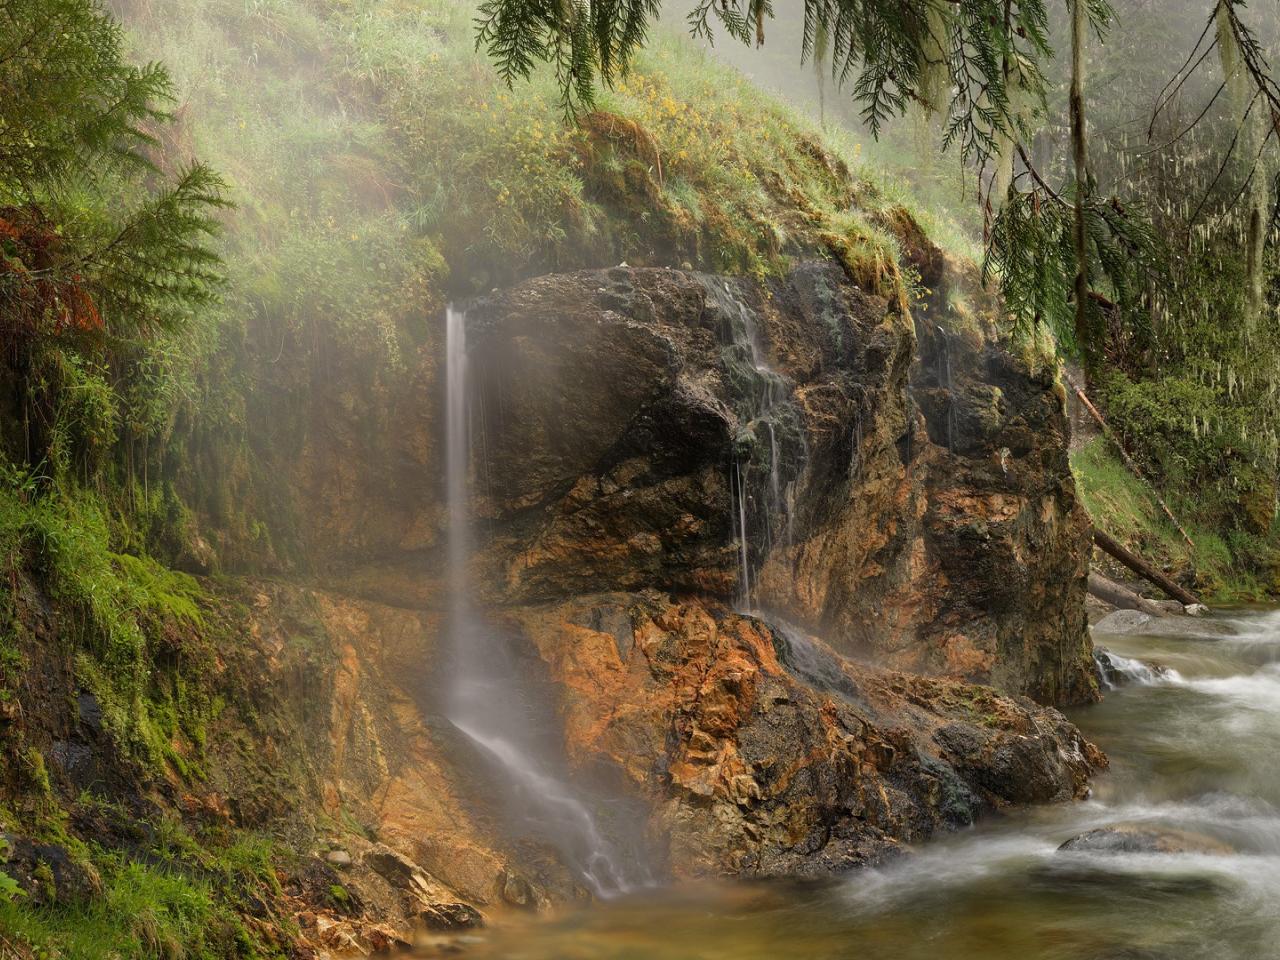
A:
[1192,744]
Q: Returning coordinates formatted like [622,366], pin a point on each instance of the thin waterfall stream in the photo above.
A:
[486,698]
[770,449]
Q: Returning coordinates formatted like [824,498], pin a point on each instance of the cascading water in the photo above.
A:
[486,697]
[1115,670]
[810,659]
[770,446]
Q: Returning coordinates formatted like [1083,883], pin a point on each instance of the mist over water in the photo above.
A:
[489,695]
[1191,733]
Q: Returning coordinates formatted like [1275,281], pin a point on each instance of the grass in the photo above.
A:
[357,132]
[143,911]
[119,616]
[1221,567]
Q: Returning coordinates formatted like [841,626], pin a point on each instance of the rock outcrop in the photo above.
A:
[764,753]
[921,514]
[905,496]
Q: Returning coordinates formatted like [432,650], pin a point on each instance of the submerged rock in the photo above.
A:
[1130,838]
[1122,622]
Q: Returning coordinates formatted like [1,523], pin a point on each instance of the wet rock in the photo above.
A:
[433,903]
[1123,622]
[1143,839]
[48,873]
[450,916]
[750,769]
[395,867]
[517,891]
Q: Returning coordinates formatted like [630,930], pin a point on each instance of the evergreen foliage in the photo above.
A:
[93,234]
[980,64]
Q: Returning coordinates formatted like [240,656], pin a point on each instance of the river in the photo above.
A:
[1193,748]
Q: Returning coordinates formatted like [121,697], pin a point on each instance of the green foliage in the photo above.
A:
[88,240]
[1029,252]
[887,48]
[1227,564]
[9,889]
[119,614]
[978,63]
[144,911]
[106,232]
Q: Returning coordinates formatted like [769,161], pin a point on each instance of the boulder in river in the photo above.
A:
[1132,838]
[1123,622]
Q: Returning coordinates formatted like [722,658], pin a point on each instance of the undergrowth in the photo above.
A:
[1226,566]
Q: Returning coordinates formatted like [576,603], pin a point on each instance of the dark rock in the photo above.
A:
[517,891]
[451,916]
[90,713]
[48,873]
[1143,839]
[393,866]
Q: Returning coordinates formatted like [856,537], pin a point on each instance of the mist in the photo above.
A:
[503,480]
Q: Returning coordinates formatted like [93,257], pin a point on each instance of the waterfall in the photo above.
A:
[809,659]
[770,447]
[948,385]
[1115,670]
[457,457]
[488,698]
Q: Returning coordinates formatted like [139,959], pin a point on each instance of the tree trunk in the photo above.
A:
[1084,335]
[1143,569]
[1122,598]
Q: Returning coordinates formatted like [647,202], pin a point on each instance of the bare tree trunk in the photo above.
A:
[1110,546]
[1084,335]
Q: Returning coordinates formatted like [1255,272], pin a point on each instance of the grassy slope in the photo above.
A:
[1125,507]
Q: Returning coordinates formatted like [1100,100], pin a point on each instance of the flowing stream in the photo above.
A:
[1192,728]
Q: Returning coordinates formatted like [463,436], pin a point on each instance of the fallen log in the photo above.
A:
[1122,598]
[1143,569]
[1129,461]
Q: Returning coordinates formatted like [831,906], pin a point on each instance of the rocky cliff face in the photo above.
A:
[927,519]
[919,513]
[759,539]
